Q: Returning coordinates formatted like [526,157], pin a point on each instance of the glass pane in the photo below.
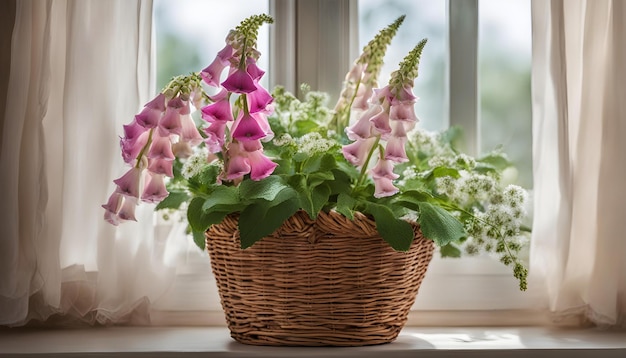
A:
[191,32]
[504,79]
[424,18]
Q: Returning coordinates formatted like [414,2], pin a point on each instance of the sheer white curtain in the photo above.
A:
[78,71]
[579,113]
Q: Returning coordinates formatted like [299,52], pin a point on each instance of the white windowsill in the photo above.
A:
[216,342]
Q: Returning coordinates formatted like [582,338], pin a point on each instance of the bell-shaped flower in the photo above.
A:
[215,136]
[363,127]
[238,164]
[355,73]
[212,73]
[398,128]
[226,53]
[384,187]
[114,204]
[170,122]
[129,183]
[255,72]
[161,148]
[356,152]
[261,118]
[182,149]
[239,81]
[152,112]
[247,127]
[260,166]
[383,169]
[197,98]
[127,212]
[403,95]
[154,191]
[252,145]
[380,124]
[395,150]
[189,132]
[259,99]
[403,112]
[111,218]
[218,111]
[131,147]
[362,98]
[161,166]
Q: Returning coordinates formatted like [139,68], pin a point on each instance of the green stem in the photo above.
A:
[367,160]
[344,119]
[145,147]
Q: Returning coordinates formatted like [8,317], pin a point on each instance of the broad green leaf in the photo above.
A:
[498,161]
[260,220]
[199,239]
[345,205]
[306,126]
[196,217]
[397,232]
[439,225]
[300,157]
[318,178]
[450,250]
[319,163]
[445,172]
[173,200]
[266,189]
[319,197]
[221,199]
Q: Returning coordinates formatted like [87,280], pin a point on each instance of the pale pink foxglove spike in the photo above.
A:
[247,127]
[161,148]
[356,152]
[218,111]
[255,72]
[399,128]
[382,95]
[239,82]
[114,204]
[403,95]
[154,191]
[215,136]
[189,133]
[161,166]
[129,183]
[362,98]
[363,127]
[259,99]
[383,187]
[127,212]
[355,73]
[383,169]
[260,166]
[395,150]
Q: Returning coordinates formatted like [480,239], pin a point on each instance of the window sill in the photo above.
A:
[216,342]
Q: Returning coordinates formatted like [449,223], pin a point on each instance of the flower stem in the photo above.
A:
[145,147]
[367,160]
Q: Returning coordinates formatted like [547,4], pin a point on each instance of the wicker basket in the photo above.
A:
[328,282]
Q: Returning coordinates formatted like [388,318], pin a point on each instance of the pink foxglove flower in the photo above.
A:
[238,164]
[255,72]
[247,127]
[383,169]
[239,81]
[384,187]
[189,132]
[395,150]
[363,127]
[161,148]
[127,212]
[135,139]
[161,166]
[259,99]
[260,166]
[114,204]
[403,112]
[215,136]
[356,153]
[380,123]
[170,122]
[152,112]
[129,183]
[212,73]
[154,190]
[218,111]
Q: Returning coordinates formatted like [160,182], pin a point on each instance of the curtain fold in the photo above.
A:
[79,71]
[579,115]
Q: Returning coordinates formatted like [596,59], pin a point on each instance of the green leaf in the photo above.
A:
[300,157]
[173,200]
[306,126]
[439,225]
[266,189]
[450,250]
[345,205]
[199,219]
[319,163]
[496,160]
[318,178]
[199,239]
[222,198]
[397,232]
[319,198]
[262,219]
[445,172]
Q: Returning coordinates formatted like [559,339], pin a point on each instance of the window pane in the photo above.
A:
[424,18]
[191,32]
[504,79]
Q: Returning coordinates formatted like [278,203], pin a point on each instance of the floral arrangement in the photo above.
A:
[266,156]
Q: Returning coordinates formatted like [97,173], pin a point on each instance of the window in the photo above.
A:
[501,41]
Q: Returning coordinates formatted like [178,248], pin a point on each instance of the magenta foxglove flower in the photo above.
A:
[255,72]
[152,112]
[218,111]
[189,132]
[356,152]
[212,73]
[170,122]
[259,99]
[131,147]
[260,166]
[247,127]
[238,164]
[384,187]
[128,184]
[239,81]
[154,190]
[252,145]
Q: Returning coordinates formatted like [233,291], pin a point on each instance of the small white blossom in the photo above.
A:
[312,143]
[195,163]
[284,140]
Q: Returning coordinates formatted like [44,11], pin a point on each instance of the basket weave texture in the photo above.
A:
[324,282]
